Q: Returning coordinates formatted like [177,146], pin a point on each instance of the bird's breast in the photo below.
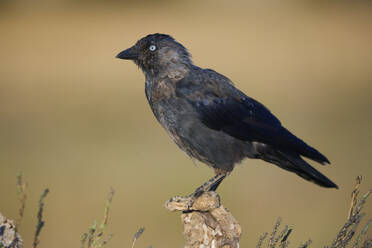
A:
[157,90]
[163,102]
[168,112]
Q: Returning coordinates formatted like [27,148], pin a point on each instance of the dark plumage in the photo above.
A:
[210,119]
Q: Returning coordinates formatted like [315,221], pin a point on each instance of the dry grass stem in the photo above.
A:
[261,239]
[274,239]
[22,196]
[306,244]
[137,235]
[344,236]
[355,216]
[354,196]
[40,221]
[95,237]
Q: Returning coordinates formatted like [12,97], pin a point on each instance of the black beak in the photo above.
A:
[130,53]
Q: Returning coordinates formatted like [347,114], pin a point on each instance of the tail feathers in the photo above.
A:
[294,163]
[305,150]
[313,154]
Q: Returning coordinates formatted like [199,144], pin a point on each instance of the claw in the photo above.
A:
[186,204]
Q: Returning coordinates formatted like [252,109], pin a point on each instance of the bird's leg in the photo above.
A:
[223,172]
[211,185]
[217,183]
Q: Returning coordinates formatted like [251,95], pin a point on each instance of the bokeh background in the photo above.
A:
[75,119]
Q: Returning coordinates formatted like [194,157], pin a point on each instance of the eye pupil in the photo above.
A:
[152,48]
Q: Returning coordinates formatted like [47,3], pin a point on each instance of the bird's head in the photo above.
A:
[157,53]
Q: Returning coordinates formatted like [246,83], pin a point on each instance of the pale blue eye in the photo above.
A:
[152,48]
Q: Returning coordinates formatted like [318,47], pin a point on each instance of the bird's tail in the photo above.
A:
[294,163]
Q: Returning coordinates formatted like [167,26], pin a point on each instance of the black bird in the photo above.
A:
[211,120]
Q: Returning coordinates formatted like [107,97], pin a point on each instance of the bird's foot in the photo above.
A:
[210,185]
[179,203]
[190,202]
[205,202]
[187,203]
[182,203]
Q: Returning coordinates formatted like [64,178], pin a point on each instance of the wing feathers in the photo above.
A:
[223,107]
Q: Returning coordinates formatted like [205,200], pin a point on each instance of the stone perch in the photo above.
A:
[9,237]
[207,223]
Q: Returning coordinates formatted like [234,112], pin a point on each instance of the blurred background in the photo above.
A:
[76,120]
